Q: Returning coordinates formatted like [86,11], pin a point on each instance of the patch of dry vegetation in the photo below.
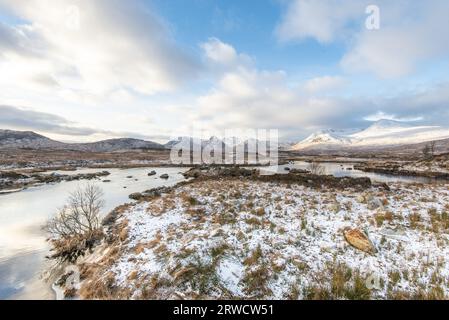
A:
[239,239]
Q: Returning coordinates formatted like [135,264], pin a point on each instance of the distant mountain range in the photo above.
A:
[215,143]
[10,139]
[381,134]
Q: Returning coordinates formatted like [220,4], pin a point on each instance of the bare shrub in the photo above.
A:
[315,168]
[76,227]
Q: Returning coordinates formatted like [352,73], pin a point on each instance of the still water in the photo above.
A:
[344,169]
[22,242]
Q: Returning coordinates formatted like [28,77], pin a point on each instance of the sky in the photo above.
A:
[85,70]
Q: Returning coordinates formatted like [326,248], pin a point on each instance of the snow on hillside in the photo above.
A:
[10,139]
[215,143]
[117,145]
[382,132]
[324,137]
[26,139]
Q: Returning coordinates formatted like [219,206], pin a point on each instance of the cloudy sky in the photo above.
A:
[83,70]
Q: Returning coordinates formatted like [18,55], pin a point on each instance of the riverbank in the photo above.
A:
[13,181]
[16,180]
[22,241]
[240,237]
[435,167]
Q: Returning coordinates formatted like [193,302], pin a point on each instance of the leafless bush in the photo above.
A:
[315,168]
[76,226]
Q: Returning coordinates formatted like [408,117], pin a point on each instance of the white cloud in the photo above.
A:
[399,47]
[22,118]
[219,52]
[120,49]
[380,115]
[324,84]
[411,32]
[246,97]
[114,45]
[323,20]
[222,56]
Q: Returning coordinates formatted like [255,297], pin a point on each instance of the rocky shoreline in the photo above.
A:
[396,170]
[13,181]
[436,167]
[297,177]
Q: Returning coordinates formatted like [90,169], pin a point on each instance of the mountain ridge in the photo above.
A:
[12,139]
[380,134]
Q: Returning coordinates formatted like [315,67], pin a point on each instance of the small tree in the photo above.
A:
[76,226]
[316,168]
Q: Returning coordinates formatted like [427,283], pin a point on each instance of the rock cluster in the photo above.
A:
[213,171]
[149,194]
[13,179]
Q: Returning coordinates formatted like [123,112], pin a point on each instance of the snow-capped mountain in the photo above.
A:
[323,137]
[186,143]
[380,133]
[213,143]
[180,142]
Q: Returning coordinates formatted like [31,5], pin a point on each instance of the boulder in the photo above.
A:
[374,204]
[12,175]
[164,176]
[136,196]
[192,173]
[335,207]
[152,173]
[132,275]
[298,171]
[359,240]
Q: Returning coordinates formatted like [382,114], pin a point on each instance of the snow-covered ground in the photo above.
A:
[252,239]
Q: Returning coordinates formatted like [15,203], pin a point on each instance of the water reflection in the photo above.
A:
[22,242]
[343,169]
